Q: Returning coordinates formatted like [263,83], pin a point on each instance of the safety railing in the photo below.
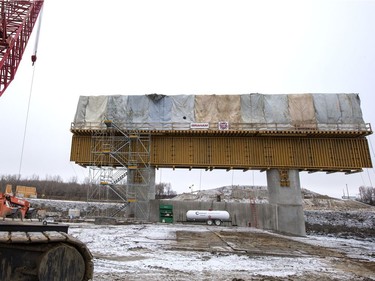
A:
[224,126]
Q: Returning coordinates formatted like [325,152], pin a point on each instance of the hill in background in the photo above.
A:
[259,194]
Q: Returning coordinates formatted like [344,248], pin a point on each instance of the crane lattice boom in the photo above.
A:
[17,20]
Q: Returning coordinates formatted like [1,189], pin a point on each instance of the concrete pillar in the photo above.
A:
[141,189]
[286,201]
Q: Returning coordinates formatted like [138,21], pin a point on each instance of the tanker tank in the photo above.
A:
[209,216]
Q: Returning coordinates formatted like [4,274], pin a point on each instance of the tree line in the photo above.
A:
[164,191]
[53,187]
[367,195]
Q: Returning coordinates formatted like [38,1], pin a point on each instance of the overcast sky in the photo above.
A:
[120,47]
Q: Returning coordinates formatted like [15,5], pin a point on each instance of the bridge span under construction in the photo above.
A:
[125,138]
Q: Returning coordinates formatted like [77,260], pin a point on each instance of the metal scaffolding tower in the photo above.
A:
[122,168]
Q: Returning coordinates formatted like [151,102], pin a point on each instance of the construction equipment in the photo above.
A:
[11,206]
[36,252]
[17,20]
[30,250]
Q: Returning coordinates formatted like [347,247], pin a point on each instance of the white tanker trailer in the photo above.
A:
[210,217]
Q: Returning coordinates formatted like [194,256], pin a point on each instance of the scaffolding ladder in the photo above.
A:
[123,159]
[253,213]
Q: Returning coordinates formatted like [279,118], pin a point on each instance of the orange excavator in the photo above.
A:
[31,251]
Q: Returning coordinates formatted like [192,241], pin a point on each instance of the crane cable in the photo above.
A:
[33,60]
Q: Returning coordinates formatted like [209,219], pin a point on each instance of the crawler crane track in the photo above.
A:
[43,256]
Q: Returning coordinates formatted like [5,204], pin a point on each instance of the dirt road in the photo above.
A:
[257,244]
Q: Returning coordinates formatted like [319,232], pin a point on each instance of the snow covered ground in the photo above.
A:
[343,250]
[162,252]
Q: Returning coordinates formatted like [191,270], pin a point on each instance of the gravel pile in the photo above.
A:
[345,224]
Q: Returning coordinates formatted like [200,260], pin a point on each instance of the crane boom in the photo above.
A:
[17,22]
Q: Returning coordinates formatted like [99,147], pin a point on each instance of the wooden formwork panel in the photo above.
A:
[80,151]
[236,152]
[86,152]
[261,153]
[96,151]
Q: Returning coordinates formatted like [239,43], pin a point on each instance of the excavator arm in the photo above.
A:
[17,20]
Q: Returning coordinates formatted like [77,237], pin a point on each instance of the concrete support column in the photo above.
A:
[151,186]
[286,201]
[140,190]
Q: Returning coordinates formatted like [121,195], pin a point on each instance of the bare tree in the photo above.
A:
[367,195]
[159,189]
[168,190]
[164,190]
[73,179]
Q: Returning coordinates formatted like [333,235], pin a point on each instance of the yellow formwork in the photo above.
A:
[240,152]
